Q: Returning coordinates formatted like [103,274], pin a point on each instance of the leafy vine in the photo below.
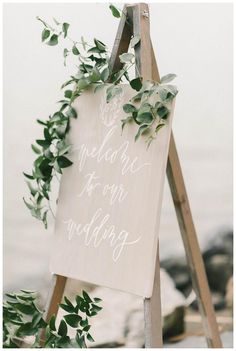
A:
[22,318]
[149,114]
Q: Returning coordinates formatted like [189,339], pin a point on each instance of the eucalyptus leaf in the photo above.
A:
[101,46]
[45,34]
[36,149]
[105,74]
[168,78]
[115,12]
[126,58]
[75,50]
[136,83]
[129,108]
[65,27]
[71,112]
[162,112]
[53,40]
[68,94]
[141,130]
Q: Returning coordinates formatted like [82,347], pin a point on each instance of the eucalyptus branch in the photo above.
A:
[93,69]
[22,318]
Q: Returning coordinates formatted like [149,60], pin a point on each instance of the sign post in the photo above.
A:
[113,248]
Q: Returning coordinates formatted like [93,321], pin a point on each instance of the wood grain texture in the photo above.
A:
[109,203]
[55,295]
[146,69]
[192,250]
[121,43]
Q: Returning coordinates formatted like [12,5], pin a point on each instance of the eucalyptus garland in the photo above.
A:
[92,69]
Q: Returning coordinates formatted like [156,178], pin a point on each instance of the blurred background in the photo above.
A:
[195,41]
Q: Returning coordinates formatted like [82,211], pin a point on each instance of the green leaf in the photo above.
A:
[68,94]
[162,112]
[45,34]
[135,40]
[42,122]
[64,342]
[71,112]
[168,78]
[67,301]
[30,207]
[35,149]
[159,126]
[105,74]
[97,308]
[67,308]
[46,133]
[112,91]
[172,89]
[129,108]
[28,176]
[100,45]
[61,130]
[84,43]
[144,114]
[44,143]
[44,218]
[126,57]
[56,21]
[136,83]
[62,330]
[75,50]
[86,328]
[84,306]
[53,40]
[80,340]
[115,12]
[84,322]
[65,27]
[33,191]
[97,299]
[86,296]
[163,94]
[26,329]
[26,309]
[141,130]
[90,338]
[94,75]
[82,83]
[73,320]
[57,167]
[65,54]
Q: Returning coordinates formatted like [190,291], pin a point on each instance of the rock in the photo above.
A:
[178,270]
[174,323]
[221,243]
[218,260]
[219,269]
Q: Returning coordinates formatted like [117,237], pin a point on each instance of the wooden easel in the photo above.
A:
[136,21]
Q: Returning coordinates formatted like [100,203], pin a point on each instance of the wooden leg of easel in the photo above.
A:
[54,298]
[193,253]
[152,312]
